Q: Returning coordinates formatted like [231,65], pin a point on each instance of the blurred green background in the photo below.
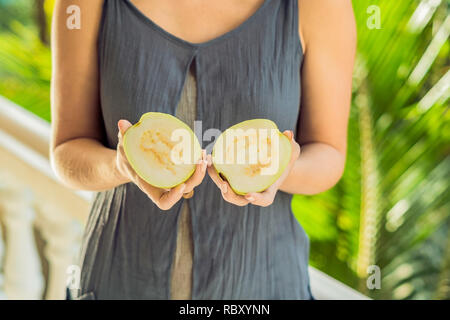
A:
[392,206]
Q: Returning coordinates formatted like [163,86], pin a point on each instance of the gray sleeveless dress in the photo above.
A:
[129,250]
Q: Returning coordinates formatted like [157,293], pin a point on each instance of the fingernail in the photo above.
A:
[224,188]
[250,198]
[182,187]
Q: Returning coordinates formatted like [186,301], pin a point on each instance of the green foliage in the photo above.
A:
[16,10]
[394,195]
[25,63]
[391,208]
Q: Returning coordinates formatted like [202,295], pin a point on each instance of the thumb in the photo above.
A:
[123,125]
[289,134]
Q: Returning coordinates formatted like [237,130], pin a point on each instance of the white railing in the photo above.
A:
[41,220]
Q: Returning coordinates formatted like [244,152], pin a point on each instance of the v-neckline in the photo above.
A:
[175,38]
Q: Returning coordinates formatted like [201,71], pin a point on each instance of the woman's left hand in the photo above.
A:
[264,198]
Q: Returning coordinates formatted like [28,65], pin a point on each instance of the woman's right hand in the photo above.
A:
[163,198]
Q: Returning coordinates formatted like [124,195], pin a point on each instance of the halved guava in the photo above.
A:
[162,149]
[251,155]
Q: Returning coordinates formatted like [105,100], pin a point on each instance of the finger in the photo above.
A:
[295,146]
[123,126]
[169,198]
[199,174]
[227,193]
[230,196]
[152,192]
[189,194]
[163,199]
[217,179]
[262,199]
[289,134]
[209,160]
[204,155]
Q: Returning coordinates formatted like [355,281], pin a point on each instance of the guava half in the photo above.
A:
[251,155]
[162,149]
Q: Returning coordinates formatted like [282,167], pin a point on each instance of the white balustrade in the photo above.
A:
[33,203]
[62,236]
[22,266]
[2,250]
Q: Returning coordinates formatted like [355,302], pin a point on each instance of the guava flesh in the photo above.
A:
[162,149]
[251,155]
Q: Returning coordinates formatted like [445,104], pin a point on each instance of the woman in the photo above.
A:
[219,62]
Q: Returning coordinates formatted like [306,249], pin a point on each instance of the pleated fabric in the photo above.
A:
[250,72]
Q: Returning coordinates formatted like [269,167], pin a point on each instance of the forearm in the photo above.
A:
[86,164]
[318,168]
